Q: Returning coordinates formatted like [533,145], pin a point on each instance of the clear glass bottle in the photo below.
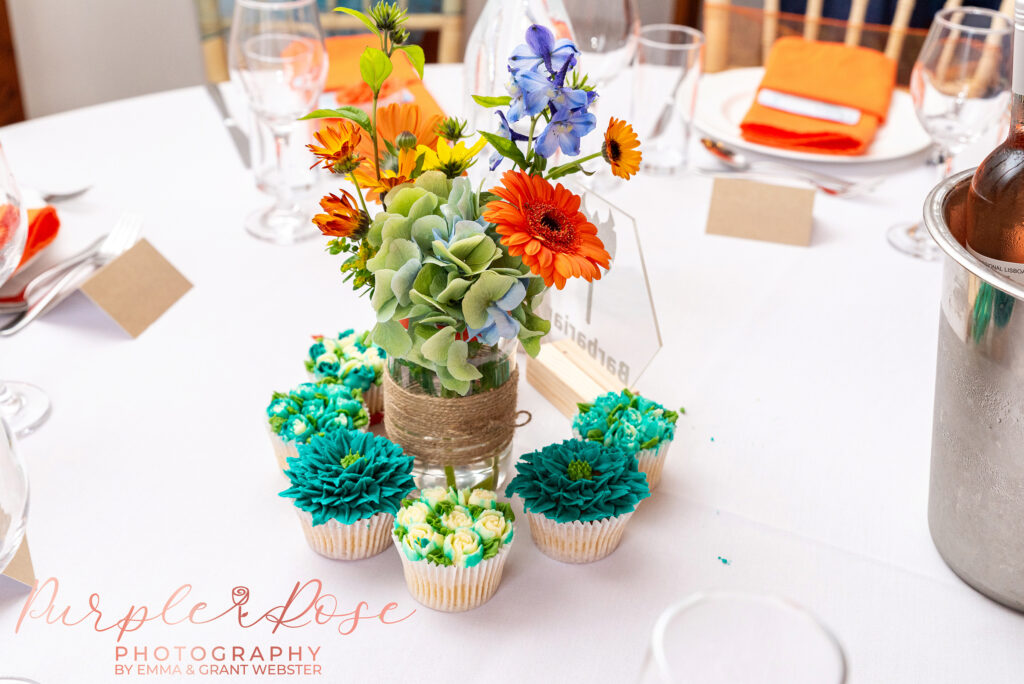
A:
[994,218]
[501,27]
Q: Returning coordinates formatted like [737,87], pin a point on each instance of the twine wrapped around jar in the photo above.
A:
[456,431]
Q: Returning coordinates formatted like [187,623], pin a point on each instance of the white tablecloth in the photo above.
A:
[807,374]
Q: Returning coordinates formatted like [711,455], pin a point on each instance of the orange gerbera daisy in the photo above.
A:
[620,149]
[343,218]
[396,119]
[542,224]
[337,149]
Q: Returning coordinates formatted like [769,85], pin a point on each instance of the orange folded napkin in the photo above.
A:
[43,225]
[343,77]
[833,73]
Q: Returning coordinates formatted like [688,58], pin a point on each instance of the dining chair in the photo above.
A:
[743,36]
[439,24]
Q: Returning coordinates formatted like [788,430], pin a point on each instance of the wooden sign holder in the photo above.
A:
[566,375]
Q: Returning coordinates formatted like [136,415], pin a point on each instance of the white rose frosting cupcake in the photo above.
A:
[354,361]
[453,546]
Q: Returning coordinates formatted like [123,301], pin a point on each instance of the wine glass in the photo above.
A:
[606,34]
[25,407]
[276,53]
[13,497]
[738,638]
[960,86]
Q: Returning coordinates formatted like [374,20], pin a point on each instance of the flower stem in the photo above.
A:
[529,141]
[376,152]
[569,165]
[359,192]
[449,475]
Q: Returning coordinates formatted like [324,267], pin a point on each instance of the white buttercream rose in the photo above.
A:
[457,517]
[419,540]
[463,547]
[416,512]
[431,495]
[483,497]
[490,524]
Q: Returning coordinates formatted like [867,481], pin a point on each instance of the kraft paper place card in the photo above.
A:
[760,211]
[136,288]
[20,568]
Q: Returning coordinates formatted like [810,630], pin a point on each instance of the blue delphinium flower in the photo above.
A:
[500,324]
[505,131]
[564,131]
[542,48]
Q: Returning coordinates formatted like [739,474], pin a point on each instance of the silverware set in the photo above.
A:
[734,162]
[53,285]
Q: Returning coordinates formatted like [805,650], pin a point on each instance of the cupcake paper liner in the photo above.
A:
[651,461]
[361,539]
[577,542]
[374,399]
[452,589]
[282,450]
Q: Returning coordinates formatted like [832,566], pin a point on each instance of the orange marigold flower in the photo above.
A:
[375,187]
[620,149]
[337,149]
[343,218]
[542,224]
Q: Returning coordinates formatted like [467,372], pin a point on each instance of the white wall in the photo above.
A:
[73,53]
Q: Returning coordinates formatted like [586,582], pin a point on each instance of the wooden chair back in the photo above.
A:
[728,30]
[446,22]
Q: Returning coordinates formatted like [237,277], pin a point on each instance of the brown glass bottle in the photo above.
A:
[995,201]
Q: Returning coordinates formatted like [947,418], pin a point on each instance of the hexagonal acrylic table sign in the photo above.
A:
[604,334]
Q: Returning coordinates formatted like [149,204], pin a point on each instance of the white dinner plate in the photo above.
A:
[724,98]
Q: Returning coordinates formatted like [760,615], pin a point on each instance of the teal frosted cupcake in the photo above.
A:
[578,497]
[354,361]
[453,545]
[631,423]
[347,487]
[311,410]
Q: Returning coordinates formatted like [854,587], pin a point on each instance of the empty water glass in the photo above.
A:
[670,60]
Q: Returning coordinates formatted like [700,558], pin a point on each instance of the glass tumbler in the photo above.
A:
[669,63]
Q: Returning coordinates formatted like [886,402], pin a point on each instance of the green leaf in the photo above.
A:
[347,112]
[461,369]
[506,148]
[415,55]
[489,102]
[375,67]
[361,17]
[531,345]
[489,288]
[436,348]
[392,337]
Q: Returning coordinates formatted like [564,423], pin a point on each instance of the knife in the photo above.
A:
[240,139]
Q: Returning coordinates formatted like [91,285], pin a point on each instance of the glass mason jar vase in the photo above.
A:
[457,440]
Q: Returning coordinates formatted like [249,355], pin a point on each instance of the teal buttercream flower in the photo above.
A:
[457,527]
[316,409]
[349,476]
[625,420]
[350,358]
[548,482]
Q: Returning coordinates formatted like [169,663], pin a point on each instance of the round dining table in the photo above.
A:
[161,548]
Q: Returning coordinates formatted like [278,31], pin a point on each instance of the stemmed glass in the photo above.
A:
[960,85]
[606,35]
[276,52]
[13,497]
[23,406]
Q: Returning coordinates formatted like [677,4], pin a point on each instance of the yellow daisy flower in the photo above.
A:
[453,160]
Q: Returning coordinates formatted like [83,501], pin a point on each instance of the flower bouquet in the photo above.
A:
[455,273]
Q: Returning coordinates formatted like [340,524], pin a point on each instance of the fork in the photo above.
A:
[17,303]
[124,234]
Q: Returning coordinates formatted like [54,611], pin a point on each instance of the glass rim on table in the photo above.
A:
[657,647]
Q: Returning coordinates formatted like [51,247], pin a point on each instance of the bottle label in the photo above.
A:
[1009,269]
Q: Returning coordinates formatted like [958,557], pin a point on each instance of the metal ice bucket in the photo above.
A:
[976,500]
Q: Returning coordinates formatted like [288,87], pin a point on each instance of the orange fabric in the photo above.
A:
[344,79]
[856,77]
[43,226]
